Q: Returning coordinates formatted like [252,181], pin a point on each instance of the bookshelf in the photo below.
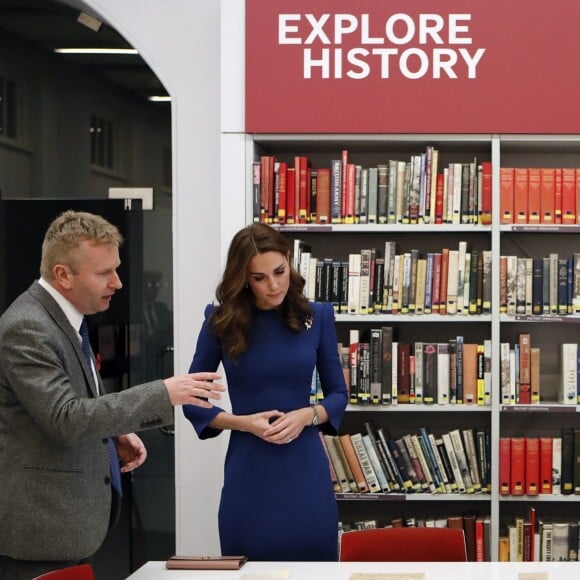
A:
[543,419]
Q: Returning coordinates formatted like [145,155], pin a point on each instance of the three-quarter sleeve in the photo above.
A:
[207,357]
[330,371]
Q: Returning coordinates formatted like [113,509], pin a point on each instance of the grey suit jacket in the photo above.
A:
[55,495]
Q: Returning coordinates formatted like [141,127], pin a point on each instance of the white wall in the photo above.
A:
[180,40]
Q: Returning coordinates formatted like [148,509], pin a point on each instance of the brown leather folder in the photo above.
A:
[205,562]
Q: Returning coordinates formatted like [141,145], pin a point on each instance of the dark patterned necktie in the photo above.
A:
[113,455]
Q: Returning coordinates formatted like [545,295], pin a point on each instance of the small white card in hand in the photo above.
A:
[533,576]
[276,574]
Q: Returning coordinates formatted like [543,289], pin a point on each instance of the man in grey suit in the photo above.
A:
[58,495]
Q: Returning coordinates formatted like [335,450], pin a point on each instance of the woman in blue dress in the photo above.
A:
[277,502]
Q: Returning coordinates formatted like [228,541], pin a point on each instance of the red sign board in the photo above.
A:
[412,66]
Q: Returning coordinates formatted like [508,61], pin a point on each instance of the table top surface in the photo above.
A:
[344,570]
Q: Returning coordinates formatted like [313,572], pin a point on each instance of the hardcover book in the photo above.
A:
[568,195]
[532,477]
[525,346]
[521,195]
[469,359]
[382,192]
[382,455]
[345,463]
[354,463]
[388,451]
[486,193]
[504,466]
[339,468]
[534,196]
[569,375]
[403,375]
[460,454]
[372,195]
[518,465]
[546,465]
[547,194]
[323,215]
[365,463]
[455,468]
[375,462]
[507,183]
[376,359]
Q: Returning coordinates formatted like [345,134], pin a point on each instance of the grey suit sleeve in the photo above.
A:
[41,371]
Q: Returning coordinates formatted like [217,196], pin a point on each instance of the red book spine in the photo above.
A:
[301,189]
[436,284]
[290,197]
[439,188]
[506,195]
[504,465]
[518,466]
[444,279]
[350,194]
[486,208]
[479,541]
[558,197]
[344,163]
[271,193]
[282,191]
[578,196]
[546,444]
[568,195]
[532,465]
[534,205]
[521,195]
[532,529]
[547,194]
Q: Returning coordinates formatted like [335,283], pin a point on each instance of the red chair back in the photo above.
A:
[403,545]
[80,572]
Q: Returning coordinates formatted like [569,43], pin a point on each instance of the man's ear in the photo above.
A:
[62,276]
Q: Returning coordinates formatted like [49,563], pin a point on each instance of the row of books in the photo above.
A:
[375,462]
[538,286]
[410,191]
[530,539]
[379,370]
[476,528]
[539,195]
[540,465]
[452,281]
[520,372]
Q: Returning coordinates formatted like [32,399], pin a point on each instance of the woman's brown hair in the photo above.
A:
[232,316]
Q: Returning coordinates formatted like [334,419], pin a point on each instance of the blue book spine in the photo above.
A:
[336,191]
[429,283]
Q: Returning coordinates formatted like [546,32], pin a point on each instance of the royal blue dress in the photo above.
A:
[277,502]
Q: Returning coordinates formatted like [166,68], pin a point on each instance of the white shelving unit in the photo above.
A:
[522,420]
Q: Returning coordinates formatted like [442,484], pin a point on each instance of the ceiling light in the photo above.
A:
[96,50]
[159,98]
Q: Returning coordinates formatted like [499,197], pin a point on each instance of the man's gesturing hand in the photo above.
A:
[194,389]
